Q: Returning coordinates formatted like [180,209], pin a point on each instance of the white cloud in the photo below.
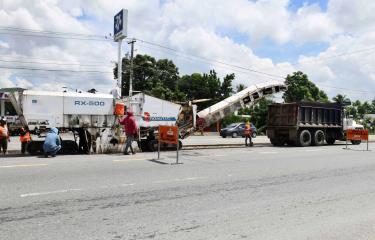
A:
[4,44]
[193,27]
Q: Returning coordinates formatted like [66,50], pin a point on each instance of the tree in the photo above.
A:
[158,78]
[240,87]
[198,86]
[341,99]
[226,87]
[301,88]
[258,113]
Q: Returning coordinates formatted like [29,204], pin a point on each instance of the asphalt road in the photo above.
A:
[240,193]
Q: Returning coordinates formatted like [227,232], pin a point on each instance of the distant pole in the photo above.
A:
[119,69]
[131,68]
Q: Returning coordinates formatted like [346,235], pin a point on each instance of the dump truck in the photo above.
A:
[308,123]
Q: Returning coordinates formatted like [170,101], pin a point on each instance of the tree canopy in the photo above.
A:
[301,88]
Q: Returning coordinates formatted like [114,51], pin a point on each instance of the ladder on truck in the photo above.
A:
[245,98]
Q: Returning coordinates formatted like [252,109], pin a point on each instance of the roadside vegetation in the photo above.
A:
[161,78]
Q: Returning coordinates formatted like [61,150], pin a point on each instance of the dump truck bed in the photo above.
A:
[304,114]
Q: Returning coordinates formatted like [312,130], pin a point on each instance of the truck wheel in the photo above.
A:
[304,138]
[277,141]
[234,135]
[356,142]
[330,140]
[254,135]
[224,136]
[290,143]
[319,137]
[274,141]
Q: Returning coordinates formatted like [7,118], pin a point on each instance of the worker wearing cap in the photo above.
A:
[24,139]
[247,134]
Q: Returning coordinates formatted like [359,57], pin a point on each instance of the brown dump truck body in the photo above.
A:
[287,120]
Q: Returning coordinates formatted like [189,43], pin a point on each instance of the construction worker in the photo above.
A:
[52,143]
[131,130]
[247,134]
[25,138]
[4,136]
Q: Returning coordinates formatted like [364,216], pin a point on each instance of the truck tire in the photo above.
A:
[277,141]
[319,138]
[330,140]
[356,142]
[290,143]
[254,135]
[274,141]
[304,138]
[234,135]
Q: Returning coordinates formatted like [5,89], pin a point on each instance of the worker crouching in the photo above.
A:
[52,143]
[25,138]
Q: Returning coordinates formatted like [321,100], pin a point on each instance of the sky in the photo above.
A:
[333,41]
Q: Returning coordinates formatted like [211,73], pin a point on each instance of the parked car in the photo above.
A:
[237,130]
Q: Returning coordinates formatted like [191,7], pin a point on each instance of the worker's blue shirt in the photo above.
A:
[52,141]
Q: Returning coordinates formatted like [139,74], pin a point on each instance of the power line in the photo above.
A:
[52,70]
[53,63]
[208,59]
[194,60]
[46,59]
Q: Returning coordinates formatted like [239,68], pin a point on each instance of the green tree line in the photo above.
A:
[161,78]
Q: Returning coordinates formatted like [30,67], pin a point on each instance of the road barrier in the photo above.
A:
[356,135]
[169,134]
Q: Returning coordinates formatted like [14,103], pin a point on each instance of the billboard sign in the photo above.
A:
[120,23]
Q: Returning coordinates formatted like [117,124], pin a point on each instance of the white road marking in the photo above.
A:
[179,180]
[127,184]
[129,160]
[268,152]
[24,165]
[47,193]
[218,155]
[314,150]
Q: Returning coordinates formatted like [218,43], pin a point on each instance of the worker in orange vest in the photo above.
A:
[24,139]
[247,133]
[4,136]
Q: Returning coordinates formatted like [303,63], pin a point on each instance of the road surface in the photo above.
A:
[233,193]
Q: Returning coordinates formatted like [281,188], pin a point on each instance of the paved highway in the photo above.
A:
[233,193]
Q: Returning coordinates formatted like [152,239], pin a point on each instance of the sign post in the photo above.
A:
[120,22]
[356,135]
[169,134]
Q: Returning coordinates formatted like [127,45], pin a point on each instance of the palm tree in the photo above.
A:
[341,99]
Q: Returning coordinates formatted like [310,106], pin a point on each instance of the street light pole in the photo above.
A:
[119,69]
[131,68]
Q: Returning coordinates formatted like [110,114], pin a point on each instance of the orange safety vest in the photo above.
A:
[247,130]
[25,138]
[1,132]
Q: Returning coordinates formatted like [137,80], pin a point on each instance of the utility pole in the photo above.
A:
[119,69]
[131,68]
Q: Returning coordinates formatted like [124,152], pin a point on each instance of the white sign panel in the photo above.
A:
[120,23]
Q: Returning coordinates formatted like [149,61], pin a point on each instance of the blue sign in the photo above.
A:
[119,24]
